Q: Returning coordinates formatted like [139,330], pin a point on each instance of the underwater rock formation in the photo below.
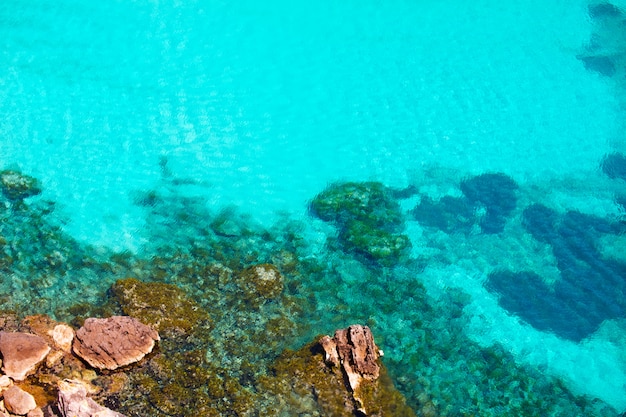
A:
[162,306]
[368,217]
[591,289]
[16,186]
[496,193]
[114,342]
[449,214]
[614,166]
[260,283]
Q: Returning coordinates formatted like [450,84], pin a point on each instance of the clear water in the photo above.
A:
[260,106]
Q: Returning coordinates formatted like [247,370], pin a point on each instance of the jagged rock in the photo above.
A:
[114,342]
[354,349]
[73,402]
[18,401]
[21,352]
[58,335]
[340,376]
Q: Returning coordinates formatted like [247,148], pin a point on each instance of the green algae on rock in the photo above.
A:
[368,202]
[164,306]
[16,186]
[369,219]
[260,283]
[306,382]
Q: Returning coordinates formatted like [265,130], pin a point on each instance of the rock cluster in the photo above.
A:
[44,346]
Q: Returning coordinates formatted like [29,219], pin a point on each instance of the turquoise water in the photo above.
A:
[261,106]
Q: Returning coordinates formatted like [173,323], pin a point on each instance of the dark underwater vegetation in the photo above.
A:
[224,328]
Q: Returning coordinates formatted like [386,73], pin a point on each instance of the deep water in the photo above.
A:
[452,175]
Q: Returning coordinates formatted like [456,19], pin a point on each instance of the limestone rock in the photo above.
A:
[63,335]
[73,402]
[114,342]
[18,401]
[358,354]
[21,352]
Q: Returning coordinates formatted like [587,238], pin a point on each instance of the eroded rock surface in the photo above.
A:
[114,342]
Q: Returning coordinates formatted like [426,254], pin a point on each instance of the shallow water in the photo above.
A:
[260,107]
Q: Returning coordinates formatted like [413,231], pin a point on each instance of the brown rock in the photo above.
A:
[21,352]
[73,402]
[354,349]
[18,401]
[338,376]
[114,342]
[37,412]
[358,354]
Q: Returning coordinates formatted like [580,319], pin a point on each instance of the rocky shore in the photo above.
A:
[51,370]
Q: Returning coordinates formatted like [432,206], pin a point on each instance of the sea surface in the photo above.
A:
[255,108]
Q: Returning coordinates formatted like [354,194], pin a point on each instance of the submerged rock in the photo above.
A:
[368,217]
[261,283]
[369,202]
[614,166]
[21,353]
[450,214]
[163,306]
[17,186]
[496,192]
[114,342]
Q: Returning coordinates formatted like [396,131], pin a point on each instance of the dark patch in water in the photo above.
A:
[614,166]
[601,10]
[603,65]
[591,288]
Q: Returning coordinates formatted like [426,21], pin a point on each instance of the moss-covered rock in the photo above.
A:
[368,202]
[303,384]
[260,283]
[369,219]
[379,245]
[16,186]
[163,306]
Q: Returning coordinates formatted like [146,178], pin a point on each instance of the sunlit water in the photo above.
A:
[260,105]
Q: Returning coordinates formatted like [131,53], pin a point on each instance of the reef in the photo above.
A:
[368,217]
